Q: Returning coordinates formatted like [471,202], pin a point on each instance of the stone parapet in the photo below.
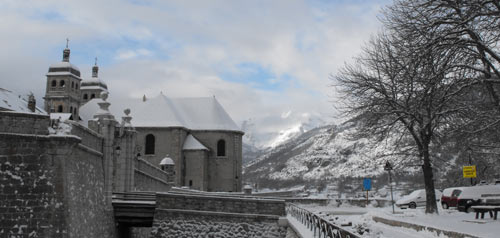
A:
[221,204]
[24,123]
[89,137]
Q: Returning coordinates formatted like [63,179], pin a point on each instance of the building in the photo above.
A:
[196,133]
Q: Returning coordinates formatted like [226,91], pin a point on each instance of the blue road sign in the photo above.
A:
[367,184]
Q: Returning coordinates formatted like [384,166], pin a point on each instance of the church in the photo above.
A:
[195,135]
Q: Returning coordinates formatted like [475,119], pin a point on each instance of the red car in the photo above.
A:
[450,197]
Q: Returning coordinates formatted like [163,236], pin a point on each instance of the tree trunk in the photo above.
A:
[431,205]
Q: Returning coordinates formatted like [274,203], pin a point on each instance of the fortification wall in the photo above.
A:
[52,186]
[89,137]
[24,123]
[148,177]
[178,215]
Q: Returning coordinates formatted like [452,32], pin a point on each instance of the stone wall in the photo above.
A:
[52,186]
[148,177]
[172,223]
[221,204]
[182,215]
[224,172]
[24,123]
[89,137]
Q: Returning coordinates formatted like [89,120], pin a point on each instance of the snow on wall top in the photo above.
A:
[11,101]
[192,143]
[203,113]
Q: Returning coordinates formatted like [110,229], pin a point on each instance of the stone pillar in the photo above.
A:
[124,165]
[106,127]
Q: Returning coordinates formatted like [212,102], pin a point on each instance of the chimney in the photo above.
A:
[31,103]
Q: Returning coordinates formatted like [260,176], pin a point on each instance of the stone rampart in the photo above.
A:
[24,123]
[180,223]
[221,204]
[181,215]
[148,177]
[89,137]
[52,186]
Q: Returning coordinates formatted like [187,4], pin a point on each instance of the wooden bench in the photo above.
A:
[492,210]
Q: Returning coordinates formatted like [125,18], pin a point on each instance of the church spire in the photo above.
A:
[66,52]
[95,69]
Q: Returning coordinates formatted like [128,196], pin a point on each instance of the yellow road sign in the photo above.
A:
[469,171]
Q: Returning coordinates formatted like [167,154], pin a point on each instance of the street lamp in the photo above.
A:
[469,151]
[388,168]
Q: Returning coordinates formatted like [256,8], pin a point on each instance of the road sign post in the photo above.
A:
[367,186]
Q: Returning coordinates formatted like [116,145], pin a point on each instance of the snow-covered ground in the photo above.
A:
[450,220]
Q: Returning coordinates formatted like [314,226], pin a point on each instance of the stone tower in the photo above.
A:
[93,87]
[62,93]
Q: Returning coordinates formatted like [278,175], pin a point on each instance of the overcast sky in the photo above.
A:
[259,58]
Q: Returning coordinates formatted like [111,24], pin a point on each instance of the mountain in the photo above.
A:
[321,154]
[266,133]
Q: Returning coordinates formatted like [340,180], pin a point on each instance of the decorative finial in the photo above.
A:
[67,42]
[95,69]
[104,96]
[127,111]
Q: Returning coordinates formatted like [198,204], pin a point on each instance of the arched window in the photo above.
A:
[92,96]
[72,84]
[60,108]
[190,183]
[76,85]
[74,111]
[54,83]
[61,83]
[85,96]
[221,148]
[71,109]
[150,145]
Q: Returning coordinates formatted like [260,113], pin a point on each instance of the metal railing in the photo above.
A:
[319,226]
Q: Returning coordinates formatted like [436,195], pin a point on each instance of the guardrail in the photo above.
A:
[316,224]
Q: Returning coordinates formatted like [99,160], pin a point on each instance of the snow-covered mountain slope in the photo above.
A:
[323,153]
[270,131]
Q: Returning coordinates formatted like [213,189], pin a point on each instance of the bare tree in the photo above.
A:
[401,88]
[473,26]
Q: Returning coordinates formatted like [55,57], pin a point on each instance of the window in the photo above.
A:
[92,96]
[221,148]
[61,83]
[85,96]
[76,85]
[54,83]
[70,109]
[72,84]
[190,183]
[150,144]
[60,108]
[74,111]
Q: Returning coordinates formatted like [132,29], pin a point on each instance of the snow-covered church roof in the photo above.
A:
[10,101]
[200,113]
[192,143]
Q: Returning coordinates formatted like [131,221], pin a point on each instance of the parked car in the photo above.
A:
[450,197]
[471,196]
[415,199]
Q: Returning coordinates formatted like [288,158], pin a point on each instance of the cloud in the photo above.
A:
[130,54]
[192,48]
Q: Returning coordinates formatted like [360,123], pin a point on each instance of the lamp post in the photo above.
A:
[388,168]
[469,151]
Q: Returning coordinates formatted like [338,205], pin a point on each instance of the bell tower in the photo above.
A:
[62,94]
